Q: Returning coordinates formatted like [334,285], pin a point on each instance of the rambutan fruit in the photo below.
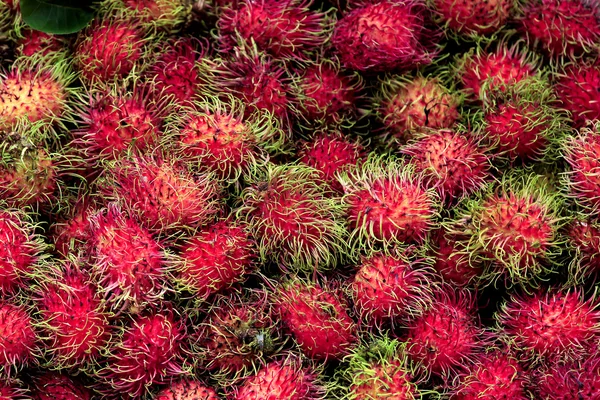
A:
[285,379]
[583,239]
[284,29]
[72,318]
[187,389]
[482,71]
[217,136]
[331,153]
[325,94]
[387,204]
[12,389]
[511,229]
[550,323]
[452,162]
[472,17]
[114,122]
[582,179]
[149,351]
[237,335]
[561,27]
[576,87]
[35,43]
[317,318]
[57,386]
[109,49]
[407,104]
[379,369]
[447,333]
[20,249]
[127,262]
[493,375]
[73,230]
[451,261]
[391,288]
[578,379]
[163,15]
[385,36]
[163,193]
[216,258]
[19,345]
[295,218]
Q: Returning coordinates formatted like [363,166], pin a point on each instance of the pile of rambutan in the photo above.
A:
[302,200]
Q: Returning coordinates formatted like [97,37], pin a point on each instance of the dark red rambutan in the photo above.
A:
[451,260]
[18,338]
[12,389]
[577,379]
[57,386]
[331,153]
[37,43]
[473,17]
[385,36]
[216,258]
[317,318]
[447,333]
[550,323]
[561,27]
[163,194]
[284,29]
[149,351]
[73,229]
[187,389]
[452,162]
[577,89]
[294,217]
[583,238]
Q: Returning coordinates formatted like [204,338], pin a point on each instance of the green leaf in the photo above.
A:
[57,16]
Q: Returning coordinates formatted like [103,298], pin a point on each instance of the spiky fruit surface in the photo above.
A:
[331,154]
[451,260]
[481,71]
[163,194]
[109,49]
[280,380]
[387,203]
[295,217]
[166,15]
[149,352]
[115,123]
[583,236]
[38,43]
[576,89]
[390,288]
[561,27]
[216,258]
[283,29]
[236,336]
[473,17]
[18,339]
[55,386]
[582,153]
[550,323]
[128,263]
[385,36]
[411,104]
[326,94]
[577,379]
[452,163]
[492,376]
[317,317]
[72,318]
[19,250]
[71,233]
[447,334]
[10,390]
[30,95]
[187,389]
[512,229]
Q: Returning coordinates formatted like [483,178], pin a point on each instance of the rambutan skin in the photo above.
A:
[18,338]
[577,379]
[576,89]
[583,235]
[57,386]
[187,389]
[384,36]
[473,17]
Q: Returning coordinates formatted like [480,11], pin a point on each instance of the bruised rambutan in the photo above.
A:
[331,153]
[163,193]
[295,218]
[317,318]
[550,323]
[452,162]
[577,88]
[561,27]
[18,339]
[108,49]
[187,389]
[148,352]
[215,258]
[390,288]
[492,376]
[56,386]
[385,36]
[410,104]
[284,379]
[284,29]
[473,17]
[387,203]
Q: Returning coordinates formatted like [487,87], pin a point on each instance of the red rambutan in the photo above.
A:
[473,17]
[451,260]
[583,237]
[56,386]
[187,389]
[579,379]
[36,43]
[18,338]
[577,89]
